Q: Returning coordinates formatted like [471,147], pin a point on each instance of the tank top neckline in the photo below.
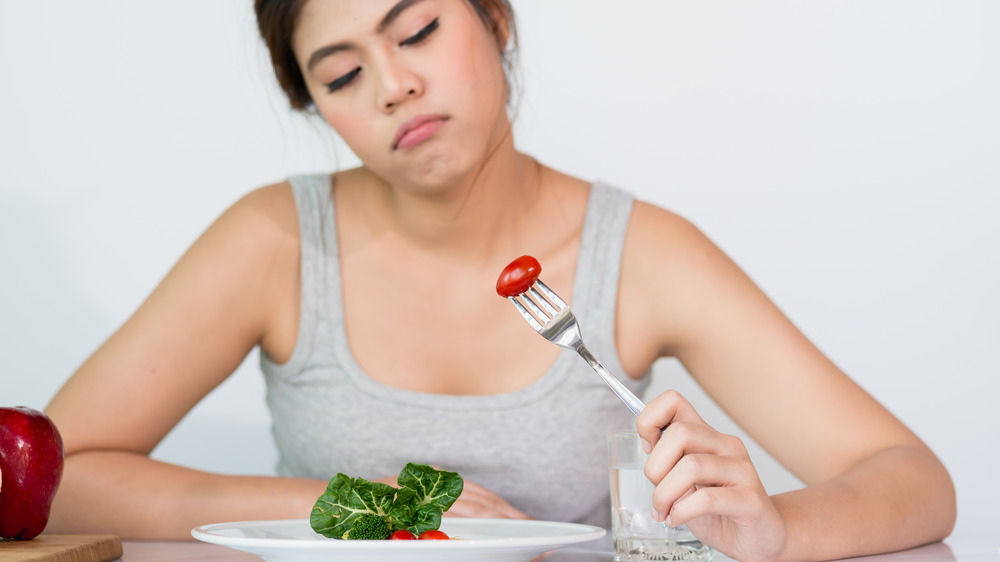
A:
[545,384]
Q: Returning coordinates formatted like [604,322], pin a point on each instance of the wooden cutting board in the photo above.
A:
[62,548]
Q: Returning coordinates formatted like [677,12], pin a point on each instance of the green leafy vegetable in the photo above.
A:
[424,494]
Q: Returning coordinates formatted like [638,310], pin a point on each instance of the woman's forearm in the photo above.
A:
[899,498]
[135,497]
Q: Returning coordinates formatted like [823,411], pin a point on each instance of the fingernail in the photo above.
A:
[656,515]
[646,447]
[668,521]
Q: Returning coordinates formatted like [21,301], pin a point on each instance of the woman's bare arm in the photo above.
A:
[235,288]
[135,497]
[872,484]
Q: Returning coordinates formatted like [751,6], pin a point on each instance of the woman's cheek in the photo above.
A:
[358,134]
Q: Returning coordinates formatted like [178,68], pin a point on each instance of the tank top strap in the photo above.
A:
[595,292]
[317,245]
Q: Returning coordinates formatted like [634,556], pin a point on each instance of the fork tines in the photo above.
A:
[543,303]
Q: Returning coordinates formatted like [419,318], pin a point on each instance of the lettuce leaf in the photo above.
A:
[424,493]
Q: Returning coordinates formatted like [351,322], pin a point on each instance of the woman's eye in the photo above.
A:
[421,35]
[342,81]
[415,39]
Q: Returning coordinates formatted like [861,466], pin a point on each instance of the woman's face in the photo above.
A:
[415,87]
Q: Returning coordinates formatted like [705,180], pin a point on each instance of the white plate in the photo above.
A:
[496,540]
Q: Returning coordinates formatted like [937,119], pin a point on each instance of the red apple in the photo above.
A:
[31,462]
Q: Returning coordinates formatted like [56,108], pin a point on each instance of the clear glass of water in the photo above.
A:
[634,532]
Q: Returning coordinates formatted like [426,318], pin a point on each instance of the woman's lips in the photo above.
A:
[417,130]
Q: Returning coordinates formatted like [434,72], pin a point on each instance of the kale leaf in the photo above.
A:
[345,500]
[424,493]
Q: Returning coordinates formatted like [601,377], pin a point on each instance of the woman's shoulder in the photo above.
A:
[668,265]
[277,206]
[660,231]
[670,246]
[261,224]
[269,210]
[272,211]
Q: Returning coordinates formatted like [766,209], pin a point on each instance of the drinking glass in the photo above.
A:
[634,532]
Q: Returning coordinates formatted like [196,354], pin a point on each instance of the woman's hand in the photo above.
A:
[477,501]
[705,480]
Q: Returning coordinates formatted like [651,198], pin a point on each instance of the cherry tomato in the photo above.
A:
[402,535]
[518,276]
[434,535]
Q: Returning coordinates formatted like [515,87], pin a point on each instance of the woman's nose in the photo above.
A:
[397,84]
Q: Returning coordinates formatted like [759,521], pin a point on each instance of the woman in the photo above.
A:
[369,293]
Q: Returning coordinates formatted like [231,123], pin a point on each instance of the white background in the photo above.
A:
[845,153]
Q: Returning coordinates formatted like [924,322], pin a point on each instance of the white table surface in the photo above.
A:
[970,546]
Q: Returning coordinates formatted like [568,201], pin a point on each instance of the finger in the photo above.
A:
[478,501]
[695,472]
[667,408]
[495,506]
[737,503]
[480,494]
[684,438]
[477,509]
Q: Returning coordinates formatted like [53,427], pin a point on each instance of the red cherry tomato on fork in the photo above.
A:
[434,535]
[402,535]
[518,276]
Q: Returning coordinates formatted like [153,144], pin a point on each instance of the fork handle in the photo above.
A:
[630,400]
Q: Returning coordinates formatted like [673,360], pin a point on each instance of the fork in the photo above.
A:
[551,317]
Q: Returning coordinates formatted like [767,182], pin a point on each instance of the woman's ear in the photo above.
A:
[500,17]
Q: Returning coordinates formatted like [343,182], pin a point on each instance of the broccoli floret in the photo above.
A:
[369,527]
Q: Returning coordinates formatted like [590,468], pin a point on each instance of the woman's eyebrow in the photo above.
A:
[394,13]
[389,17]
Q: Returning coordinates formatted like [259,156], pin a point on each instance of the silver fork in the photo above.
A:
[552,318]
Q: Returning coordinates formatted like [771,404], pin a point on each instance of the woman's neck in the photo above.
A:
[469,217]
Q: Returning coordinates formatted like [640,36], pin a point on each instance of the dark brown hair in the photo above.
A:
[277,19]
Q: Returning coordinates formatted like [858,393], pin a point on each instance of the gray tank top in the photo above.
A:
[542,448]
